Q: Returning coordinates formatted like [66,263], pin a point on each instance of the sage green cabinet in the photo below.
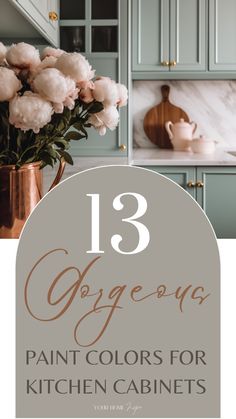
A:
[214,188]
[99,30]
[169,35]
[183,176]
[217,197]
[150,34]
[188,35]
[222,33]
[43,15]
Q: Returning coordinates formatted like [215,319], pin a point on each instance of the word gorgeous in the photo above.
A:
[103,303]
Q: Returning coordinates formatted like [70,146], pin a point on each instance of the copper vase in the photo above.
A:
[20,191]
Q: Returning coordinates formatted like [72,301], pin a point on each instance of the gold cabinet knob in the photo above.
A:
[173,63]
[191,184]
[200,184]
[53,16]
[165,63]
[122,147]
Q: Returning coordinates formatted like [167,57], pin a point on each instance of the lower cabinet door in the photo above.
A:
[183,176]
[216,194]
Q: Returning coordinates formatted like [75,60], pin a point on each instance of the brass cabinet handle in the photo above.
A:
[165,63]
[173,63]
[53,16]
[122,147]
[200,184]
[191,184]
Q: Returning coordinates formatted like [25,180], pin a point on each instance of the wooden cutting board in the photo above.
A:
[155,119]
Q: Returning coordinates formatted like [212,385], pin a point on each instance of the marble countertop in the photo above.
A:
[144,157]
[157,157]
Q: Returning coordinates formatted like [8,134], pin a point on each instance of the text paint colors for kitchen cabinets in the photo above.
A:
[214,188]
[169,35]
[99,29]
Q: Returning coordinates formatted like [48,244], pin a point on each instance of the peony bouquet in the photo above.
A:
[47,101]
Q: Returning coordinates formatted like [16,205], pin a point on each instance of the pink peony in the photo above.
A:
[3,52]
[9,84]
[122,95]
[52,85]
[85,93]
[30,111]
[48,62]
[75,66]
[52,52]
[108,118]
[105,91]
[22,56]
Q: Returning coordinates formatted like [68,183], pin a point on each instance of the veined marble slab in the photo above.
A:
[211,104]
[157,157]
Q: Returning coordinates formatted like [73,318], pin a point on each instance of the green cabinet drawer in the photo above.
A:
[183,176]
[217,197]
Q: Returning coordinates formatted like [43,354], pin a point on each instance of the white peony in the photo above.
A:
[3,52]
[48,62]
[23,55]
[105,91]
[52,52]
[122,95]
[30,111]
[75,66]
[9,84]
[52,85]
[107,118]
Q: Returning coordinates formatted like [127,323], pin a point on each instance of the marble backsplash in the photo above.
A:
[211,104]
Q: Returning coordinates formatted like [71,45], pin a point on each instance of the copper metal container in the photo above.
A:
[20,191]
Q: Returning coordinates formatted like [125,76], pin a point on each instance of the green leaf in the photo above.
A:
[77,125]
[46,158]
[74,135]
[67,114]
[61,125]
[96,107]
[61,143]
[67,157]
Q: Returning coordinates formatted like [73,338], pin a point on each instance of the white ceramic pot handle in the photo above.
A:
[194,127]
[168,126]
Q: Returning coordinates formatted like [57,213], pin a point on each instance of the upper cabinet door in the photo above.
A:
[150,33]
[188,35]
[222,35]
[44,15]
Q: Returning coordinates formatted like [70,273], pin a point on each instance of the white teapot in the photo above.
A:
[180,134]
